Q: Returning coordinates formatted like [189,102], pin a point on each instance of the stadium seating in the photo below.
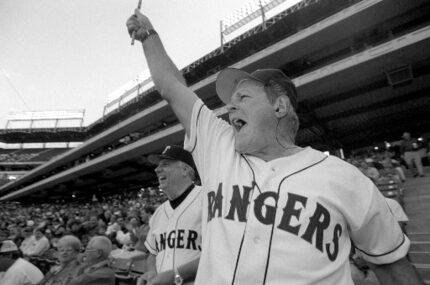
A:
[26,155]
[130,272]
[391,189]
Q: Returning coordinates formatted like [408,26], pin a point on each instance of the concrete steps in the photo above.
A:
[424,271]
[417,207]
[416,236]
[420,246]
[420,257]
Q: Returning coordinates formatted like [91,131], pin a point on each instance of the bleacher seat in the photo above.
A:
[138,267]
[122,271]
[390,188]
[127,271]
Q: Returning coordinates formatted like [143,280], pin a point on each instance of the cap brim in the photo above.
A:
[155,158]
[227,80]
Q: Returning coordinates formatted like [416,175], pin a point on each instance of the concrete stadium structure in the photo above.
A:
[362,70]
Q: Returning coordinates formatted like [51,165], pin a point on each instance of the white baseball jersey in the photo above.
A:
[175,235]
[285,221]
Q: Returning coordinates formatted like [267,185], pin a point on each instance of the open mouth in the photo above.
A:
[238,124]
[161,179]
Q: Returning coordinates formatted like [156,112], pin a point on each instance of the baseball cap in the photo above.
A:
[228,79]
[406,134]
[8,246]
[173,152]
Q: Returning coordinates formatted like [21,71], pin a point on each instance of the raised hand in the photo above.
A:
[138,24]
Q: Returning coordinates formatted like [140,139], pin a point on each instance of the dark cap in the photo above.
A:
[173,152]
[228,79]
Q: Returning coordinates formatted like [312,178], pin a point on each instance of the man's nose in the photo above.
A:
[230,107]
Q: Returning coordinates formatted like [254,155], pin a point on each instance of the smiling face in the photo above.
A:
[252,117]
[66,252]
[169,172]
[92,253]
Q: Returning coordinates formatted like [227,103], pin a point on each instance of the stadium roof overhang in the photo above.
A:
[347,103]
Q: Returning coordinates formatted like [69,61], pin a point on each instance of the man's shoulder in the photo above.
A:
[99,272]
[21,262]
[160,209]
[105,270]
[98,276]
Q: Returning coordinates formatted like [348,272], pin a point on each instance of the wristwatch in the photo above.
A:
[147,34]
[178,280]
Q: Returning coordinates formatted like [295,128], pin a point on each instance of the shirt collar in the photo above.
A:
[177,201]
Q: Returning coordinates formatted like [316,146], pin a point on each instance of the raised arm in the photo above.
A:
[165,75]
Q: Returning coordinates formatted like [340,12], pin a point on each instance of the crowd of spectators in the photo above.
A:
[380,166]
[13,157]
[38,230]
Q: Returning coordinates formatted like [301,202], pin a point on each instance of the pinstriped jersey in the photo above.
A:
[175,235]
[285,221]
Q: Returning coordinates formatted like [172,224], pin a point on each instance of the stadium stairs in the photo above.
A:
[417,207]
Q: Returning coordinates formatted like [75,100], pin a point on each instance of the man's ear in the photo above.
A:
[99,253]
[184,169]
[281,106]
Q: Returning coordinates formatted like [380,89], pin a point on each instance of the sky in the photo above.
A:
[71,54]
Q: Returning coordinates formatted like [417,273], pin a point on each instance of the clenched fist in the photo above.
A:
[138,24]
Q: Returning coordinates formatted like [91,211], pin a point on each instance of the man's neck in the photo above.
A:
[175,190]
[178,200]
[277,151]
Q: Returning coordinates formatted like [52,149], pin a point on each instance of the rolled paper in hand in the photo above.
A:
[134,32]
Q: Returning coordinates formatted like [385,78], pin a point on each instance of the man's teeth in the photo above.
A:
[238,122]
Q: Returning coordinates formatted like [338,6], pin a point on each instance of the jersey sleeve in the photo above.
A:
[375,232]
[210,140]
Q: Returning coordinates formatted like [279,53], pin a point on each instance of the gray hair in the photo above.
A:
[103,244]
[71,241]
[190,171]
[275,89]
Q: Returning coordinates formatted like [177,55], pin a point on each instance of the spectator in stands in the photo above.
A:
[28,238]
[69,248]
[101,230]
[133,230]
[91,226]
[75,228]
[122,234]
[175,263]
[107,215]
[39,244]
[390,163]
[18,271]
[410,153]
[57,231]
[15,235]
[113,226]
[142,232]
[4,234]
[369,171]
[96,270]
[147,213]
